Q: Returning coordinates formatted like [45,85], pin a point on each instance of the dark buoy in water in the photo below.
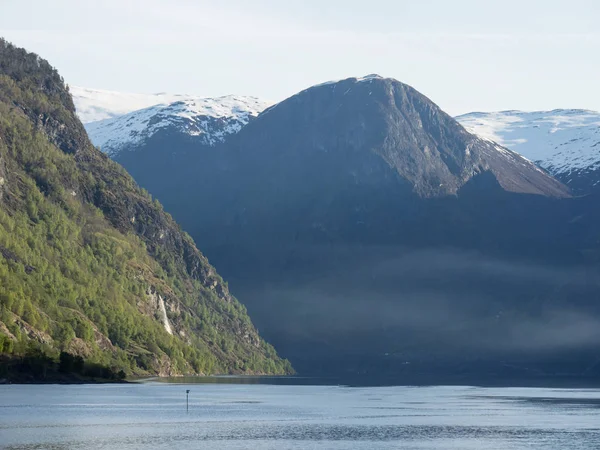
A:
[187,400]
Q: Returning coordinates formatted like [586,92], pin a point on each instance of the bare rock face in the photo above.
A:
[33,333]
[357,118]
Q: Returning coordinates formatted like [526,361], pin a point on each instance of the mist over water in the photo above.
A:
[429,305]
[236,416]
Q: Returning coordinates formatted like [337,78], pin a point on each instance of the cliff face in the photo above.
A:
[357,118]
[99,249]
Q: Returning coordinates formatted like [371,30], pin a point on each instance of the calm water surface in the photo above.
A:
[258,416]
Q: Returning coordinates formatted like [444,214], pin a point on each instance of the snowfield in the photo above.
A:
[562,141]
[97,104]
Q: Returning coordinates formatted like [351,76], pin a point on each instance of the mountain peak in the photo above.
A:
[380,116]
[210,120]
[370,77]
[366,78]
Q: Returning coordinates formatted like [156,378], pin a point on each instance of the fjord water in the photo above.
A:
[259,416]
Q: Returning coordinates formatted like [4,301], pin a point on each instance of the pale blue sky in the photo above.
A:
[464,54]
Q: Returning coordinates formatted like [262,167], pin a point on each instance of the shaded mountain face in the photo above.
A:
[384,120]
[89,263]
[370,232]
[564,142]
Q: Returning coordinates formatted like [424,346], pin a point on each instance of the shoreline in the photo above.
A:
[354,382]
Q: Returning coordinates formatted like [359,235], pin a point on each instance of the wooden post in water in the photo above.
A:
[187,400]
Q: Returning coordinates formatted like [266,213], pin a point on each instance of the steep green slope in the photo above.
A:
[89,263]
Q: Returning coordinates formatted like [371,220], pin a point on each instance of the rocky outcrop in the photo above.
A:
[33,333]
[4,330]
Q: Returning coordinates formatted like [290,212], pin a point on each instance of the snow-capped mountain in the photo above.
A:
[97,104]
[565,142]
[126,126]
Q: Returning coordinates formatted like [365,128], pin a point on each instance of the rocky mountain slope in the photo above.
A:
[565,142]
[380,117]
[90,265]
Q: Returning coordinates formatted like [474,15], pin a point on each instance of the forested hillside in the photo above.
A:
[90,265]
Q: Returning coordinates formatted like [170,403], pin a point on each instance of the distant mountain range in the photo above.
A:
[122,127]
[565,142]
[97,104]
[367,230]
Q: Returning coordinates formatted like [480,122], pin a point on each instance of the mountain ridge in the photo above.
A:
[564,142]
[94,105]
[207,120]
[566,158]
[121,135]
[416,133]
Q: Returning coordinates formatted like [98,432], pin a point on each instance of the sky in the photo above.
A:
[466,55]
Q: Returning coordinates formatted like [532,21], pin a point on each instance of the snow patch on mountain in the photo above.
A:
[210,120]
[96,104]
[367,78]
[561,141]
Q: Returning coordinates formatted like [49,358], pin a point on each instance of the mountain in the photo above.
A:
[90,265]
[119,122]
[206,121]
[436,161]
[565,142]
[387,122]
[93,105]
[369,232]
